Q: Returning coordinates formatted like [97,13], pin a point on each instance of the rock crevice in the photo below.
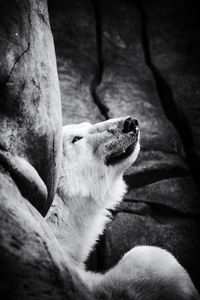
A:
[15,63]
[174,114]
[98,74]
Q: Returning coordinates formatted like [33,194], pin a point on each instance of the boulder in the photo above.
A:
[30,121]
[32,263]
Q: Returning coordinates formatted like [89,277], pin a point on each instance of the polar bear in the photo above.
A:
[91,182]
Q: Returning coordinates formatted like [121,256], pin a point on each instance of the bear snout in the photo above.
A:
[131,124]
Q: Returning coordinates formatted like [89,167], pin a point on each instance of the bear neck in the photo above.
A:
[78,221]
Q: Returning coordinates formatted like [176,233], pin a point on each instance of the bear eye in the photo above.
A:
[76,139]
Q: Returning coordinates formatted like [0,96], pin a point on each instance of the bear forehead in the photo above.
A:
[77,129]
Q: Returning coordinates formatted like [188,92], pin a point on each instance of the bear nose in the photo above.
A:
[131,124]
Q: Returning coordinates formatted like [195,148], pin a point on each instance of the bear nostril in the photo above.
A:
[130,124]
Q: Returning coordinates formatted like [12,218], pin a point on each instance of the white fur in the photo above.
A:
[87,189]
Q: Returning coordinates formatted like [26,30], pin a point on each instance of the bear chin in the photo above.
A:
[116,159]
[122,154]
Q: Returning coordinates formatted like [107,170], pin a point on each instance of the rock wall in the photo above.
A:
[118,58]
[32,265]
[30,100]
[171,31]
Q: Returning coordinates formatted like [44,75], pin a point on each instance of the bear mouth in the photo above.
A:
[117,158]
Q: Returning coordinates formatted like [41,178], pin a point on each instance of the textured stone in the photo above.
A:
[127,86]
[174,44]
[151,166]
[33,265]
[30,116]
[178,193]
[73,26]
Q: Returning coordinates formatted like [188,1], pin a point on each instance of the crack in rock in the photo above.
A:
[165,93]
[24,52]
[142,178]
[155,208]
[99,65]
[16,61]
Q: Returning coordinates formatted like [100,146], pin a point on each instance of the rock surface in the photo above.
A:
[29,92]
[32,263]
[172,30]
[74,32]
[162,205]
